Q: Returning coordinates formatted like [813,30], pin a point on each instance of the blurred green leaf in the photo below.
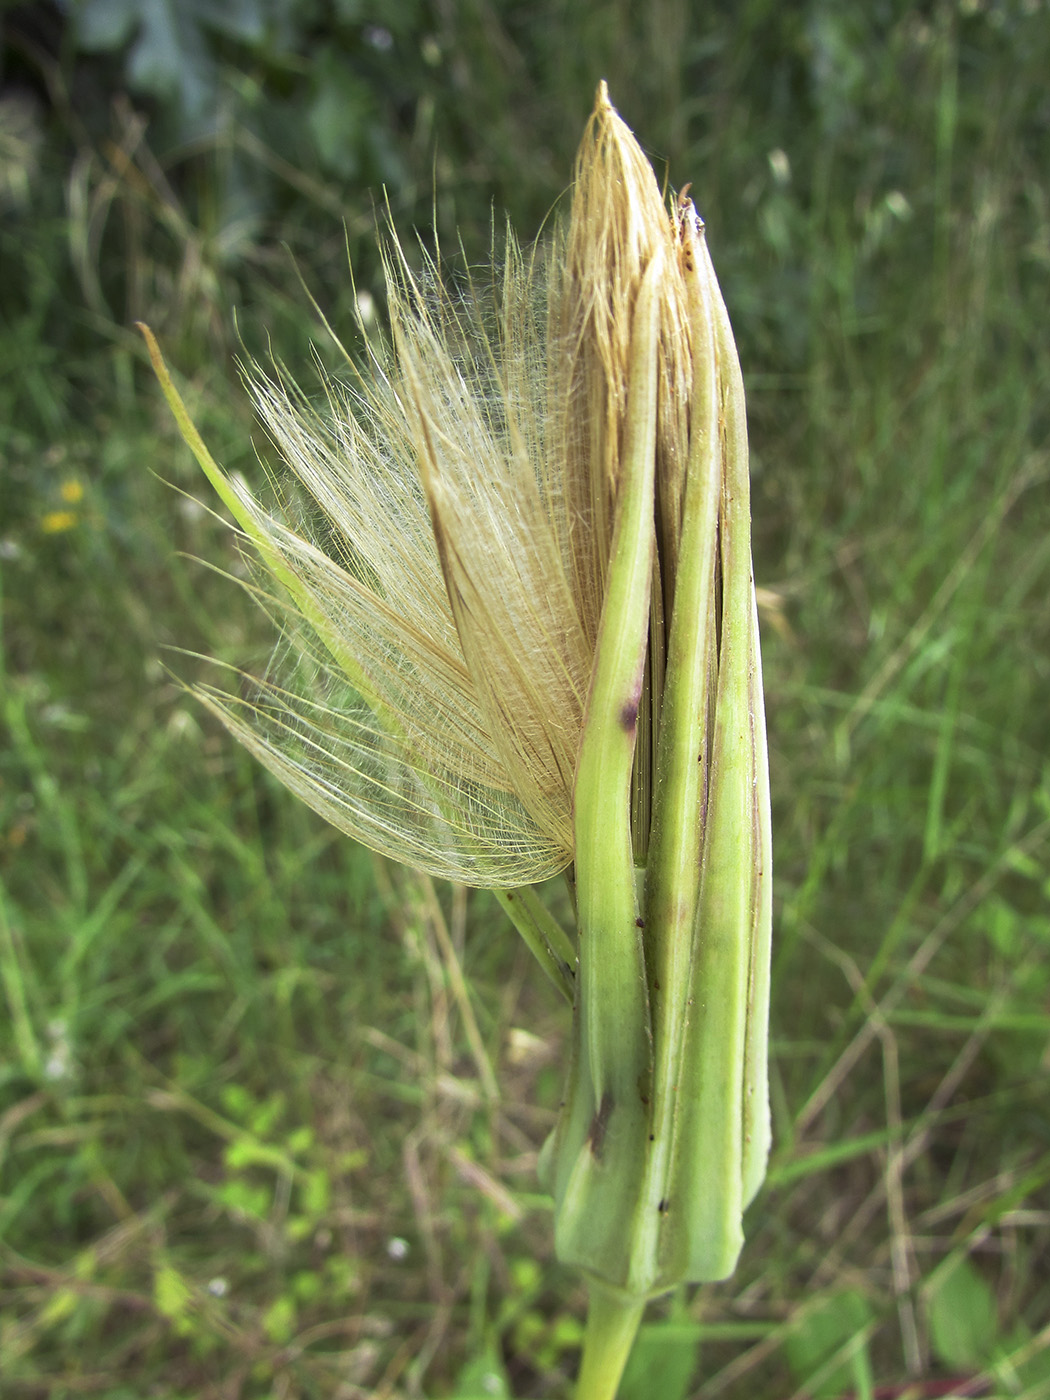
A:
[830,1328]
[663,1362]
[962,1313]
[483,1378]
[172,1295]
[279,1319]
[338,115]
[102,25]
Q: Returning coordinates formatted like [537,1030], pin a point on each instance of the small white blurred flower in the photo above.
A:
[21,140]
[191,509]
[366,307]
[183,725]
[59,1063]
[779,166]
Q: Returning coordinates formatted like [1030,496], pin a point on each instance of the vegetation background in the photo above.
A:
[270,1109]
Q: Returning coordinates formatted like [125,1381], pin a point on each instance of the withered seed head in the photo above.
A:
[443,622]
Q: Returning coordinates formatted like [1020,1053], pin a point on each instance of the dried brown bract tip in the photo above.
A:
[617,225]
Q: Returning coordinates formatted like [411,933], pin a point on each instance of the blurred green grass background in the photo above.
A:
[269,1109]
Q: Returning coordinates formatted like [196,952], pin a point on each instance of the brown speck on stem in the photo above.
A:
[599,1123]
[629,716]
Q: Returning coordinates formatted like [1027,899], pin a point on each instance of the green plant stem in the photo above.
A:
[612,1324]
[544,937]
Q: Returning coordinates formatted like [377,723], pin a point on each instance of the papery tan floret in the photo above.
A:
[447,534]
